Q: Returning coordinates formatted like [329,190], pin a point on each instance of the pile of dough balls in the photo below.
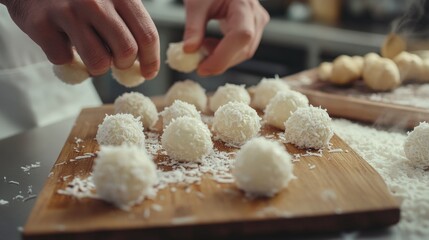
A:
[137,105]
[262,167]
[187,139]
[130,77]
[187,91]
[266,89]
[229,93]
[282,106]
[236,122]
[179,109]
[124,175]
[416,146]
[309,127]
[74,72]
[180,61]
[119,129]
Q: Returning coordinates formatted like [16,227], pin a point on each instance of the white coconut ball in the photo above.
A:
[229,93]
[74,72]
[236,123]
[282,106]
[124,175]
[262,167]
[267,89]
[187,91]
[180,61]
[130,77]
[416,146]
[179,109]
[309,127]
[139,106]
[187,139]
[119,129]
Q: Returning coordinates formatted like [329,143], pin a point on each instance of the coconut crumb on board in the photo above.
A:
[183,220]
[271,211]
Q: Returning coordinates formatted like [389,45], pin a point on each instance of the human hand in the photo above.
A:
[102,31]
[242,23]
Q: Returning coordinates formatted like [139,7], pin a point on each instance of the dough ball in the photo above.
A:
[236,123]
[130,77]
[187,139]
[345,70]
[393,45]
[267,89]
[282,106]
[416,146]
[187,91]
[124,175]
[309,127]
[324,71]
[139,106]
[180,61]
[263,167]
[359,61]
[119,129]
[424,72]
[229,93]
[381,75]
[409,66]
[179,109]
[74,72]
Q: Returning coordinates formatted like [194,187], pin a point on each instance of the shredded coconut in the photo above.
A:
[27,168]
[14,182]
[3,202]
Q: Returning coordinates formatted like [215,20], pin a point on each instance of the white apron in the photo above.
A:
[30,94]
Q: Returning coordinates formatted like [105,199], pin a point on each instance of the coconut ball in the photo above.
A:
[124,175]
[130,77]
[187,91]
[236,123]
[120,128]
[309,127]
[416,146]
[180,61]
[282,106]
[262,167]
[139,106]
[267,89]
[73,72]
[179,109]
[229,93]
[187,139]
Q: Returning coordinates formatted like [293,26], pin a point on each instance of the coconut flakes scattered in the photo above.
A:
[14,182]
[79,188]
[3,202]
[156,207]
[27,168]
[31,196]
[183,220]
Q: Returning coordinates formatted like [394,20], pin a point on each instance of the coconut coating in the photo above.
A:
[187,91]
[130,77]
[416,146]
[139,106]
[179,109]
[124,175]
[180,61]
[187,139]
[229,93]
[267,89]
[282,106]
[72,73]
[119,129]
[236,123]
[262,167]
[309,127]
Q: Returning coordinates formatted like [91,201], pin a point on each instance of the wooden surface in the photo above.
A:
[359,109]
[361,200]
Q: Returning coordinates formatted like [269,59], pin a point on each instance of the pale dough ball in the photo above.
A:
[74,72]
[424,72]
[409,65]
[416,146]
[179,109]
[267,89]
[262,167]
[178,60]
[187,91]
[187,139]
[119,129]
[360,62]
[229,93]
[130,77]
[124,175]
[139,106]
[345,70]
[282,106]
[236,123]
[309,127]
[381,75]
[324,71]
[393,45]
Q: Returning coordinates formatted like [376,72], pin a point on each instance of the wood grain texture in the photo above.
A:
[361,200]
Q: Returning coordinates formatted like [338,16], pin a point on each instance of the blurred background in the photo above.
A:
[300,35]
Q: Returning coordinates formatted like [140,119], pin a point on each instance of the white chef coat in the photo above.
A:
[30,94]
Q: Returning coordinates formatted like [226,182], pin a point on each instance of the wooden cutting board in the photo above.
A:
[336,192]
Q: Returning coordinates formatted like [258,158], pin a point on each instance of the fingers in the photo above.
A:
[195,26]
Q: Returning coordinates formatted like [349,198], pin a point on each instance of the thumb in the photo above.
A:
[195,27]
